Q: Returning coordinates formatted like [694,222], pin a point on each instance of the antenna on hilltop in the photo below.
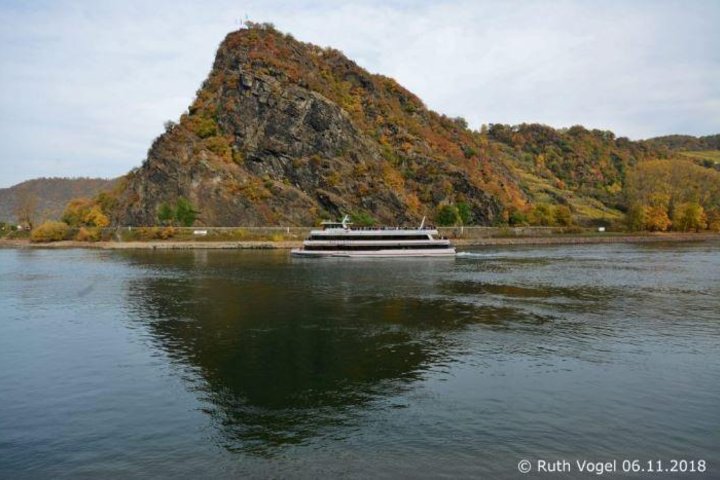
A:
[242,23]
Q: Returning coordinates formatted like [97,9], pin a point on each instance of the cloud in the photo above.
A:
[86,86]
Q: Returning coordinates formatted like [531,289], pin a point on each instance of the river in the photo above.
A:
[227,364]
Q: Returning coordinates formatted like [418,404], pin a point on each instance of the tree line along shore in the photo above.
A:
[85,220]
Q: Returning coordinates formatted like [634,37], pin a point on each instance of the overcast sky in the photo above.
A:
[86,85]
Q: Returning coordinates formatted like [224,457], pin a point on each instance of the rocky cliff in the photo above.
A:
[284,132]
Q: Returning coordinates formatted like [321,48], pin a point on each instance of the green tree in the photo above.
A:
[166,214]
[185,214]
[447,215]
[516,218]
[636,217]
[465,212]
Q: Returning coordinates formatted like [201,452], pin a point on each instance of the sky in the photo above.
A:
[85,86]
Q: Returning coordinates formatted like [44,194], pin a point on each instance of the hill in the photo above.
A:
[686,142]
[47,197]
[285,133]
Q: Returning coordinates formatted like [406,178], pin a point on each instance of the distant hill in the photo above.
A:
[50,195]
[686,142]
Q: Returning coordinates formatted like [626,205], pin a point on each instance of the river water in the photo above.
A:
[229,364]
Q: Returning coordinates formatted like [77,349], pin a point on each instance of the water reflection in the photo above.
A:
[284,357]
[283,351]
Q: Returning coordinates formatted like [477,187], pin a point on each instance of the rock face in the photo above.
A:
[286,133]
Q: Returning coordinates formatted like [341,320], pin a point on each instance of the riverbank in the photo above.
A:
[568,239]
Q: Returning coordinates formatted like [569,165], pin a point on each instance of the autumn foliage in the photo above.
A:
[50,231]
[672,194]
[84,212]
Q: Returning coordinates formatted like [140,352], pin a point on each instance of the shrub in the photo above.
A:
[542,215]
[88,234]
[166,214]
[465,213]
[362,219]
[239,158]
[220,146]
[169,125]
[165,233]
[517,217]
[182,213]
[205,127]
[562,216]
[155,233]
[185,213]
[469,152]
[447,215]
[50,231]
[145,233]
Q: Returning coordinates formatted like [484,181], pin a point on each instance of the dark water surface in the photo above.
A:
[252,364]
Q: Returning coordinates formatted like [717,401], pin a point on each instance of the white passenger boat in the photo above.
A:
[339,239]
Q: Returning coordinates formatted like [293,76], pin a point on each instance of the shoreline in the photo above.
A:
[566,239]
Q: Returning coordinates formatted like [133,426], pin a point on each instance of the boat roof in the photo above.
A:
[345,224]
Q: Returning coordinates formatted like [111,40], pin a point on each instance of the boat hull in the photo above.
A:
[396,253]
